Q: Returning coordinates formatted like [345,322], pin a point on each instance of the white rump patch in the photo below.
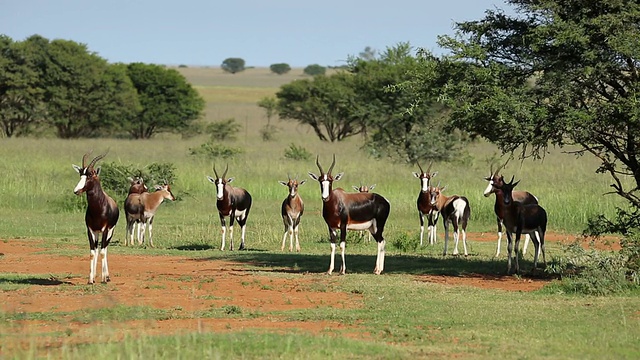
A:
[240,214]
[459,205]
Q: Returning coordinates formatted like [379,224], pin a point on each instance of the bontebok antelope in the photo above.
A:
[292,210]
[101,216]
[134,210]
[524,197]
[522,219]
[424,205]
[351,211]
[455,210]
[232,201]
[150,203]
[364,189]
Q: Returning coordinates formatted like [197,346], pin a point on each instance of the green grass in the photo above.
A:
[399,318]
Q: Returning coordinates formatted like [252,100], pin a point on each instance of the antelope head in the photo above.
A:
[292,184]
[494,179]
[88,173]
[507,189]
[165,189]
[326,179]
[364,188]
[220,181]
[435,192]
[424,177]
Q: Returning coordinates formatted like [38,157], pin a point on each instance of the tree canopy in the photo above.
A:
[555,73]
[314,69]
[280,68]
[233,65]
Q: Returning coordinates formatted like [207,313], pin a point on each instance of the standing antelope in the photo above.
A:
[455,210]
[134,210]
[150,203]
[351,211]
[232,201]
[424,205]
[101,216]
[364,189]
[524,197]
[522,219]
[292,210]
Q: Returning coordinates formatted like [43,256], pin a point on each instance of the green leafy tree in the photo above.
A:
[395,127]
[168,102]
[328,104]
[557,73]
[280,68]
[314,69]
[233,65]
[270,106]
[83,94]
[20,90]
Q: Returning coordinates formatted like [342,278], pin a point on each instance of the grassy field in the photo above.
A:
[36,190]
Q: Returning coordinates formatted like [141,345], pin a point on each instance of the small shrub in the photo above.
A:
[213,151]
[268,132]
[297,153]
[227,129]
[404,243]
[114,177]
[232,309]
[314,69]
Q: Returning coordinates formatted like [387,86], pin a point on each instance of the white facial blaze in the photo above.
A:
[325,189]
[425,184]
[81,183]
[489,188]
[293,191]
[220,186]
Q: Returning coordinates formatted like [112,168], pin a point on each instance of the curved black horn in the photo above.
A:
[420,167]
[215,172]
[318,164]
[225,171]
[332,163]
[501,167]
[97,158]
[84,158]
[429,168]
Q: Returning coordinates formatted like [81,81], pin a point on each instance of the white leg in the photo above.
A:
[464,242]
[422,233]
[526,244]
[296,232]
[456,237]
[150,228]
[105,266]
[431,234]
[291,235]
[231,237]
[243,230]
[333,254]
[224,235]
[284,239]
[92,263]
[446,238]
[343,268]
[380,258]
[499,240]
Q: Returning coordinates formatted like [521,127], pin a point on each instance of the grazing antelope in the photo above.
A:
[364,189]
[101,216]
[351,211]
[150,203]
[424,205]
[232,201]
[134,210]
[523,197]
[455,210]
[522,219]
[292,210]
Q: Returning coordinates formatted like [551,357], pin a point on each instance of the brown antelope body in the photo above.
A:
[454,209]
[351,211]
[424,205]
[364,189]
[233,202]
[524,197]
[150,203]
[134,210]
[522,219]
[291,211]
[101,216]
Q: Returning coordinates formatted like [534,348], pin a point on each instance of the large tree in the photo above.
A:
[328,104]
[555,73]
[168,101]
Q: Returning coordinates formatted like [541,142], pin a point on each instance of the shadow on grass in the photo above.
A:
[394,264]
[33,281]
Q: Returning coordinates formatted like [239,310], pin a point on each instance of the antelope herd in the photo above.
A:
[517,211]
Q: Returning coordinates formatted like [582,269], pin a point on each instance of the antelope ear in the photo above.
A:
[517,182]
[78,168]
[434,174]
[158,187]
[98,170]
[302,182]
[212,180]
[313,176]
[356,188]
[338,177]
[230,179]
[442,189]
[284,183]
[371,187]
[416,175]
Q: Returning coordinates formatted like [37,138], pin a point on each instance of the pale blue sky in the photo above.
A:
[199,32]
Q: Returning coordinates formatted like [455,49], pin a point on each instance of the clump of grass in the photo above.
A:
[298,153]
